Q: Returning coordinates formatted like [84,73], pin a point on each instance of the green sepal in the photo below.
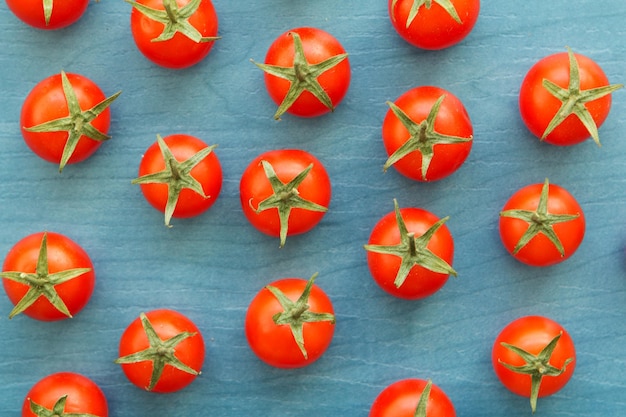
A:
[422,403]
[58,409]
[446,4]
[47,10]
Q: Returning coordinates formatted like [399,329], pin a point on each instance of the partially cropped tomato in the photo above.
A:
[565,97]
[65,118]
[161,351]
[534,357]
[285,192]
[65,394]
[410,252]
[307,72]
[542,224]
[433,24]
[290,323]
[48,277]
[174,34]
[427,134]
[180,175]
[412,398]
[48,14]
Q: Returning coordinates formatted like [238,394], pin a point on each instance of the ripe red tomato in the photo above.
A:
[542,224]
[427,134]
[307,72]
[174,33]
[180,175]
[564,98]
[412,398]
[410,253]
[433,24]
[161,351]
[290,323]
[285,192]
[65,393]
[48,14]
[65,118]
[534,356]
[48,277]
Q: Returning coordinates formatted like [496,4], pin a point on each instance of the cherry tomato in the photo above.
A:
[48,277]
[65,393]
[564,98]
[410,253]
[180,175]
[65,118]
[427,134]
[534,356]
[48,14]
[285,192]
[174,34]
[290,323]
[161,351]
[542,224]
[307,72]
[412,398]
[433,24]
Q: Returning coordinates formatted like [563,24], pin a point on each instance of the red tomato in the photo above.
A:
[542,224]
[433,24]
[48,277]
[534,357]
[48,14]
[65,118]
[174,33]
[65,393]
[402,398]
[564,98]
[410,253]
[188,184]
[161,351]
[285,192]
[427,134]
[290,323]
[307,72]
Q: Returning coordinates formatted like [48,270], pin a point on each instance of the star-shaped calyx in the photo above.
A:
[176,175]
[446,4]
[540,221]
[285,197]
[77,123]
[58,410]
[174,19]
[573,100]
[537,366]
[302,76]
[160,352]
[296,313]
[42,282]
[413,250]
[423,136]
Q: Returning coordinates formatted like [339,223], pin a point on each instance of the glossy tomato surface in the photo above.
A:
[401,398]
[62,14]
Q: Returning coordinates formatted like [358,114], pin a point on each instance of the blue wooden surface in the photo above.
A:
[210,267]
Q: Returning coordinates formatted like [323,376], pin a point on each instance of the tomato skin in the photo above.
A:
[318,46]
[255,187]
[538,107]
[64,12]
[83,395]
[452,119]
[400,399]
[533,333]
[167,323]
[434,28]
[63,254]
[208,172]
[180,51]
[274,344]
[421,282]
[46,101]
[540,251]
